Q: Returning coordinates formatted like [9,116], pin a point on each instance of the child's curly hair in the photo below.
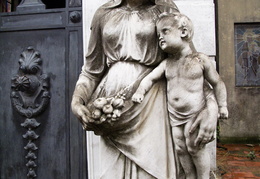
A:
[180,21]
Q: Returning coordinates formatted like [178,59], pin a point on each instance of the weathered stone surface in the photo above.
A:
[200,12]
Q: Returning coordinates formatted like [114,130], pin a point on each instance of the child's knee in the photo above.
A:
[193,150]
[180,147]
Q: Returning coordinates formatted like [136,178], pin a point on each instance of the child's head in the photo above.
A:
[177,21]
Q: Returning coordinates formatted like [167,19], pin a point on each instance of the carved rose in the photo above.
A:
[108,108]
[118,103]
[100,102]
[117,113]
[96,114]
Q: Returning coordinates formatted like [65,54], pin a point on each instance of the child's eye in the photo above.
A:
[165,31]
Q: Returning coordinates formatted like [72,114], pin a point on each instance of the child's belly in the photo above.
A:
[184,101]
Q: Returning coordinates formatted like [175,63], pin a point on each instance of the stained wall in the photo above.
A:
[243,125]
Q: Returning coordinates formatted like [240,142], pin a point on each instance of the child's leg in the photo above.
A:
[200,156]
[182,152]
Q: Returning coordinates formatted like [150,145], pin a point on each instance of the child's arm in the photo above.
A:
[218,85]
[148,81]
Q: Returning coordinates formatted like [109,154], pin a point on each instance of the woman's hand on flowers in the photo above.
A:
[83,114]
[138,98]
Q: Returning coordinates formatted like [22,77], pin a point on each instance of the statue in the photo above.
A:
[185,72]
[123,48]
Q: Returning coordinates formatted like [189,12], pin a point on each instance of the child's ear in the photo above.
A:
[184,32]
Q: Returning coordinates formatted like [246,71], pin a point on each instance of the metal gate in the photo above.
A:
[40,59]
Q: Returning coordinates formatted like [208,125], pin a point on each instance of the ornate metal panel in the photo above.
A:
[30,97]
[38,134]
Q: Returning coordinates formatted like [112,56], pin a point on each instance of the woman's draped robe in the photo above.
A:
[123,47]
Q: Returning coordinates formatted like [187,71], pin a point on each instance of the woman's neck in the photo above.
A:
[135,3]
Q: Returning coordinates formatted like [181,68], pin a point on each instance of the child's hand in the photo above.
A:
[137,97]
[223,113]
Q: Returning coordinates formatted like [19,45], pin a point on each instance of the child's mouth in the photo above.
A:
[162,42]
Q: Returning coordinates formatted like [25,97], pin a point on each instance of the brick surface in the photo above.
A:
[242,174]
[252,164]
[234,161]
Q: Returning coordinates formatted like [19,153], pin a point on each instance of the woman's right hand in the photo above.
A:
[83,114]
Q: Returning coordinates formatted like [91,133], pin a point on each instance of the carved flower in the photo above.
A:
[30,123]
[31,173]
[118,103]
[100,102]
[31,164]
[30,146]
[96,114]
[107,109]
[22,83]
[30,135]
[31,155]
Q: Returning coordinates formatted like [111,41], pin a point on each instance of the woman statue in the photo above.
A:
[123,48]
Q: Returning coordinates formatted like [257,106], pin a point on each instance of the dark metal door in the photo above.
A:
[40,59]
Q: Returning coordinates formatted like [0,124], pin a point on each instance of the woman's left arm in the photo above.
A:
[206,120]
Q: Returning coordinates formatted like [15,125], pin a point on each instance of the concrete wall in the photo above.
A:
[243,102]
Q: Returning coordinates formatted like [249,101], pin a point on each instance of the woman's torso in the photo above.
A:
[130,35]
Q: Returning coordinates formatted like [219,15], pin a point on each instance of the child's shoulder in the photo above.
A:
[203,59]
[199,55]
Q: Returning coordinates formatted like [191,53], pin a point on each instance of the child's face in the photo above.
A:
[169,36]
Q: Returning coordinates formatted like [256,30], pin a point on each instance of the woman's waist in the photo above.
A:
[127,70]
[123,75]
[153,58]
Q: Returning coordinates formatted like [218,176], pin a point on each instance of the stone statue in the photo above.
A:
[136,139]
[185,72]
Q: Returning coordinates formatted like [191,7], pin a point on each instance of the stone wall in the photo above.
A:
[243,102]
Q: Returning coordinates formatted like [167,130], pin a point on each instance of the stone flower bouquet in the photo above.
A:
[108,109]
